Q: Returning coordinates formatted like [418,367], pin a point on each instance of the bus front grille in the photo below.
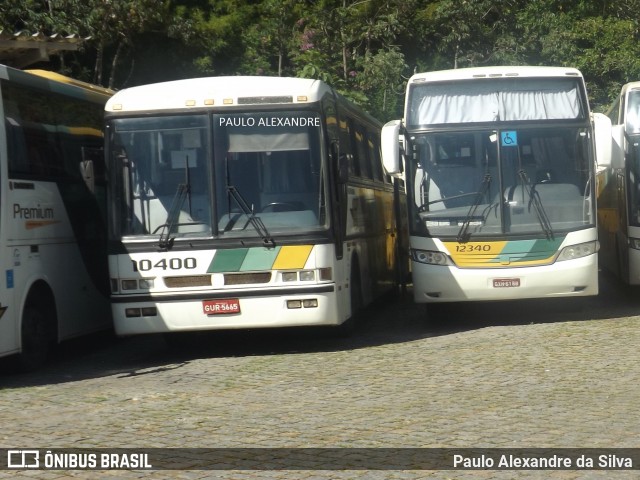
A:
[188,281]
[245,278]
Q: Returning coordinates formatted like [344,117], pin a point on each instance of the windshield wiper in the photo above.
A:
[534,199]
[182,193]
[166,242]
[256,222]
[463,233]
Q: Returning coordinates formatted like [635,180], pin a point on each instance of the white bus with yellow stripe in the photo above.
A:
[53,218]
[499,164]
[246,202]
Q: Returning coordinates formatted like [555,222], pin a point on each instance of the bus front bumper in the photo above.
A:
[161,314]
[434,283]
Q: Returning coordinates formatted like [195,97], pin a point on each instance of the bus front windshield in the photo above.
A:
[529,181]
[202,175]
[633,179]
[632,128]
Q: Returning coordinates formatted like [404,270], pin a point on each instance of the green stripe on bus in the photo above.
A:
[228,260]
[260,258]
[540,250]
[528,250]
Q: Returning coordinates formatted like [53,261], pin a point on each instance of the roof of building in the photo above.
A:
[21,49]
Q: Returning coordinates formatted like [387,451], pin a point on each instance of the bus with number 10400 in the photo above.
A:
[55,283]
[246,202]
[499,164]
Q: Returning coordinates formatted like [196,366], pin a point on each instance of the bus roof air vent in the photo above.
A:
[259,100]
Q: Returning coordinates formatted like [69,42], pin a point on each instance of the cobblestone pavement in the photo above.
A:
[504,375]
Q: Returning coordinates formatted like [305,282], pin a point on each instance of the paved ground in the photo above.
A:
[507,375]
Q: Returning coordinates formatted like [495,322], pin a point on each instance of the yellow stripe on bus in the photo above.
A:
[292,256]
[474,254]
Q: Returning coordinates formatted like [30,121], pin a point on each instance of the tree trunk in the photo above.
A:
[97,69]
[114,64]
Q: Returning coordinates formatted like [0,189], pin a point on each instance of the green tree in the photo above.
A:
[270,40]
[365,48]
[381,80]
[110,25]
[29,15]
[216,30]
[600,38]
[352,46]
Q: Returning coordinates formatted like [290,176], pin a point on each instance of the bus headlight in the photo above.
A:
[578,251]
[634,243]
[129,284]
[324,274]
[430,257]
[307,276]
[137,284]
[146,283]
[289,276]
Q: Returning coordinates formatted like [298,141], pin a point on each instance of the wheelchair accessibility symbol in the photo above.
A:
[509,138]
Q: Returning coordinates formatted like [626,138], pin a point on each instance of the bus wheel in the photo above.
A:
[37,339]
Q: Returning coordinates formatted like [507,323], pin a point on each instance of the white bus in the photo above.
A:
[245,202]
[499,165]
[55,283]
[619,189]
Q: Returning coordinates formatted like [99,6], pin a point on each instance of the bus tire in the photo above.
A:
[36,339]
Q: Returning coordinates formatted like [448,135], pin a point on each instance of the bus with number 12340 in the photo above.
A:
[499,164]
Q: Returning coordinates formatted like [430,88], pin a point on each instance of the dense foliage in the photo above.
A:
[365,48]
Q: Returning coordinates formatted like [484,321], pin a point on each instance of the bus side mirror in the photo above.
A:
[602,131]
[390,146]
[618,146]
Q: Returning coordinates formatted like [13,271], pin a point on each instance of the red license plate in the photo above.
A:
[221,306]
[506,282]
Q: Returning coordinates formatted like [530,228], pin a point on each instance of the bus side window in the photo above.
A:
[362,158]
[350,151]
[374,156]
[16,148]
[36,151]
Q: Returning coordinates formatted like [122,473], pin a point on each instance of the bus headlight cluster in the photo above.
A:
[578,251]
[634,243]
[129,284]
[323,274]
[430,257]
[135,312]
[306,303]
